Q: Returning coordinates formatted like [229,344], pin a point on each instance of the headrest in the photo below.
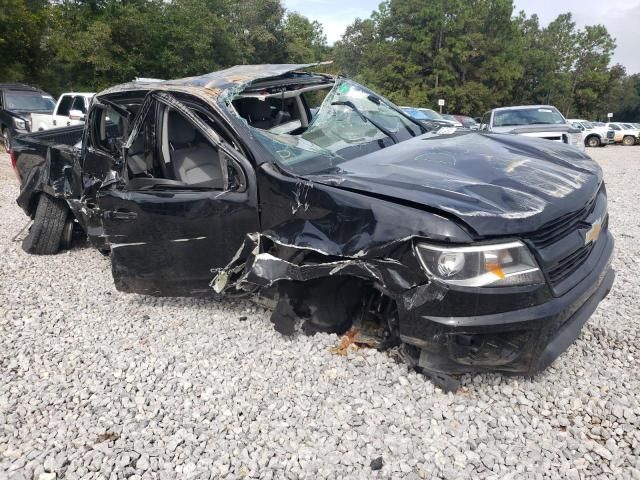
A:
[181,131]
[254,109]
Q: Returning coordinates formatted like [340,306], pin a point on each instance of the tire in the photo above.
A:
[593,142]
[46,233]
[628,141]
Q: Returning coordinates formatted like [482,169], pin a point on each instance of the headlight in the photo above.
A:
[498,265]
[576,139]
[20,124]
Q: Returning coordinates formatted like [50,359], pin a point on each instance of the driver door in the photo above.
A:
[188,201]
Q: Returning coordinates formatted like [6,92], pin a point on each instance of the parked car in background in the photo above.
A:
[624,135]
[468,122]
[454,121]
[629,127]
[539,121]
[469,251]
[17,103]
[593,135]
[428,117]
[70,109]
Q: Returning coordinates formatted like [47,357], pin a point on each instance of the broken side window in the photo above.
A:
[141,154]
[187,155]
[108,130]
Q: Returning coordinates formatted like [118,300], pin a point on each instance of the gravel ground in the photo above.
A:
[99,384]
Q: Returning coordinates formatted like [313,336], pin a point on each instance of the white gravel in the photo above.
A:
[99,384]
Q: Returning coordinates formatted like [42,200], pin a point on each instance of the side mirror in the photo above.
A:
[77,115]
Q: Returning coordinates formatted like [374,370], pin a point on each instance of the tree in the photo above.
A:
[21,26]
[305,40]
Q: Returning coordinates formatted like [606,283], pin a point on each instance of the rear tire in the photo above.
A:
[46,233]
[628,140]
[593,142]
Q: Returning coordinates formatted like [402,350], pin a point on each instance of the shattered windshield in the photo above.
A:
[351,122]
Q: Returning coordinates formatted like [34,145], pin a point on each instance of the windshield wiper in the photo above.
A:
[367,119]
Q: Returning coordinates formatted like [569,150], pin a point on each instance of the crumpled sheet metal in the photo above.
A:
[54,176]
[254,268]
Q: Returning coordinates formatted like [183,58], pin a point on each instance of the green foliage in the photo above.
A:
[92,44]
[21,26]
[476,54]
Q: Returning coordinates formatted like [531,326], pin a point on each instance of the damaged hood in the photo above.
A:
[496,184]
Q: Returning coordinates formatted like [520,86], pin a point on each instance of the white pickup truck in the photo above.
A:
[70,110]
[540,121]
[593,135]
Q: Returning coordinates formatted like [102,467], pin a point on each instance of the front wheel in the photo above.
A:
[51,227]
[628,140]
[593,142]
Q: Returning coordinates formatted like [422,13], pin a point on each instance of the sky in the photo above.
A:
[621,17]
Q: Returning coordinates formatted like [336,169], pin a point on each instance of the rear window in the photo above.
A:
[24,101]
[528,116]
[65,105]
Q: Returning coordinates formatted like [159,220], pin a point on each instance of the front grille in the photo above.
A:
[553,231]
[568,265]
[610,134]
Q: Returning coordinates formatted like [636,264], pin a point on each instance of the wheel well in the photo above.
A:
[337,304]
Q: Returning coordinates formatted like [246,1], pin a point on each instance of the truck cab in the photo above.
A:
[71,109]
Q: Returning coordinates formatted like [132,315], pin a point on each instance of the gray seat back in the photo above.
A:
[194,160]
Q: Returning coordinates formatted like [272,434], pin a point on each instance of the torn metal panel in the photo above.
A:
[255,268]
[242,74]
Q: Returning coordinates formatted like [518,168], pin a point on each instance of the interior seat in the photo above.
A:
[256,112]
[194,160]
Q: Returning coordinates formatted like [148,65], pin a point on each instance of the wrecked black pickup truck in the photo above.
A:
[464,251]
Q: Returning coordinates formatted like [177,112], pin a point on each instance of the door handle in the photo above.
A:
[121,215]
[54,122]
[68,124]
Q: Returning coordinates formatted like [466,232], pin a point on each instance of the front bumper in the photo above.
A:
[520,340]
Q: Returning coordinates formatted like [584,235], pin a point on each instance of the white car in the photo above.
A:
[539,121]
[593,135]
[624,133]
[71,109]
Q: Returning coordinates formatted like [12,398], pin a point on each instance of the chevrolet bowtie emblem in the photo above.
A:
[593,233]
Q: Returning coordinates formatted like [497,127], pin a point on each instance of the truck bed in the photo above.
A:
[44,163]
[56,136]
